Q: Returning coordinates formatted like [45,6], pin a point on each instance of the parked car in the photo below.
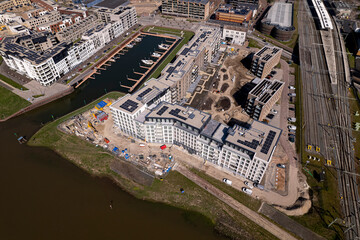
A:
[292,138]
[292,131]
[248,184]
[279,165]
[259,186]
[274,111]
[292,127]
[227,181]
[247,191]
[291,119]
[292,94]
[292,88]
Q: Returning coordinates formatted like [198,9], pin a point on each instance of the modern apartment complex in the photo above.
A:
[244,151]
[76,30]
[196,9]
[264,60]
[183,73]
[263,97]
[234,34]
[127,15]
[47,60]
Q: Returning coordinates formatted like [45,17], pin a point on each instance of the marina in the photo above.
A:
[145,66]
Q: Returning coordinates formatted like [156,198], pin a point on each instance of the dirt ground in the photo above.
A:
[145,7]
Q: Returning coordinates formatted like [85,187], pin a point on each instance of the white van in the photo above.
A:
[247,191]
[292,127]
[227,181]
[291,119]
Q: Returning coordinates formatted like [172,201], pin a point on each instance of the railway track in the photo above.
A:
[323,114]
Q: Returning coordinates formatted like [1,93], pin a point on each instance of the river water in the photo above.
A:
[43,196]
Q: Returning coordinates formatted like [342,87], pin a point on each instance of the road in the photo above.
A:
[327,116]
[250,214]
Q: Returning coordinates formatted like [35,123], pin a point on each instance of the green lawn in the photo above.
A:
[351,58]
[186,37]
[253,44]
[12,83]
[10,103]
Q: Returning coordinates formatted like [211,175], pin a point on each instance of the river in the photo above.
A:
[43,196]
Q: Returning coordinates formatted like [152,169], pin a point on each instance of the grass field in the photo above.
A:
[201,207]
[10,103]
[187,35]
[12,83]
[253,44]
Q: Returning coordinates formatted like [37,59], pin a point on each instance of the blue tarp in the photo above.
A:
[101,104]
[126,156]
[115,149]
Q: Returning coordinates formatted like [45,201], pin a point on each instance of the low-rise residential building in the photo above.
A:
[8,4]
[264,60]
[48,5]
[4,5]
[48,17]
[262,98]
[195,9]
[234,34]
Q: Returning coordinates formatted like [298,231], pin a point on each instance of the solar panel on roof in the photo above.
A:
[145,92]
[162,110]
[268,141]
[129,105]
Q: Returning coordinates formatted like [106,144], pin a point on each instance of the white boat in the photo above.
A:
[130,46]
[154,54]
[163,46]
[138,39]
[148,62]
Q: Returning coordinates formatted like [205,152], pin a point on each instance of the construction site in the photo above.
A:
[96,126]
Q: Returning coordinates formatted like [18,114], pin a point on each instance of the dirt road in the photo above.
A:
[254,216]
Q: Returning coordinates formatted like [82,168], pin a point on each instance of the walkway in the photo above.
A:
[250,214]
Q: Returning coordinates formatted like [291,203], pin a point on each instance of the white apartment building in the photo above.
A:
[46,65]
[233,34]
[243,151]
[128,108]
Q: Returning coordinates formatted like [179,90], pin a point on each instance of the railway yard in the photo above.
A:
[327,124]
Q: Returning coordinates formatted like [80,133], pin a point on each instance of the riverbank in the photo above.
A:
[10,103]
[194,200]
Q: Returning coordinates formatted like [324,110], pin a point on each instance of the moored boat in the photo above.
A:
[147,62]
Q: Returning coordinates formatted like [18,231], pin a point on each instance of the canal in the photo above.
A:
[43,196]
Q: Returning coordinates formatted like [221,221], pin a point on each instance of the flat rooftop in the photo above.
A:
[281,14]
[131,103]
[112,4]
[266,53]
[265,90]
[188,115]
[258,139]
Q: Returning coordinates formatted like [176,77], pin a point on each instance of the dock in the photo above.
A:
[121,50]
